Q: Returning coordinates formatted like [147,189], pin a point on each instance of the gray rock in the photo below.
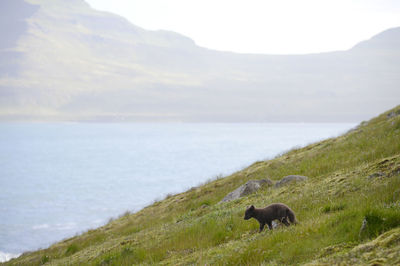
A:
[377,174]
[289,179]
[275,224]
[363,227]
[251,186]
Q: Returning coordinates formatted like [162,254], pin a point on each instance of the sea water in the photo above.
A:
[60,179]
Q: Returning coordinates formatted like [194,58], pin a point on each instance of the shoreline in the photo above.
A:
[6,256]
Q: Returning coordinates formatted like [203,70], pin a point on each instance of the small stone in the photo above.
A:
[251,186]
[275,224]
[377,174]
[363,227]
[289,179]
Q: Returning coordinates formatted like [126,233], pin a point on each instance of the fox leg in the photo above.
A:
[285,221]
[262,226]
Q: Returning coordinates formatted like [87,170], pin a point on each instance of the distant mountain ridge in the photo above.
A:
[388,39]
[62,60]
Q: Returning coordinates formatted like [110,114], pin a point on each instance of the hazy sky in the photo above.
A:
[263,26]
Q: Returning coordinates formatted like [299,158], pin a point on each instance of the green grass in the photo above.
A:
[71,249]
[340,195]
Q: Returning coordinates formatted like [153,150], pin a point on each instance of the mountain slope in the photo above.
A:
[353,180]
[62,60]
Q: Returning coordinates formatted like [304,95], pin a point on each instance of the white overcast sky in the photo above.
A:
[263,26]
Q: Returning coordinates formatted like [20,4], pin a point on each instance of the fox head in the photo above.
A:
[249,213]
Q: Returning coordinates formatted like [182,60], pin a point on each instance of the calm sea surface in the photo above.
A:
[59,179]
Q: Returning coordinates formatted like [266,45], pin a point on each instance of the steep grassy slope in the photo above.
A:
[353,180]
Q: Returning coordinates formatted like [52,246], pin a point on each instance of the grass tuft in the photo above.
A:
[71,249]
[378,221]
[334,207]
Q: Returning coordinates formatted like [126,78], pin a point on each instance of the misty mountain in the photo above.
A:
[62,60]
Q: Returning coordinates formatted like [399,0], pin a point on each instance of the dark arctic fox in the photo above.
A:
[275,211]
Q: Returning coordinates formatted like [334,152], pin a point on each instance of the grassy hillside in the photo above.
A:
[353,180]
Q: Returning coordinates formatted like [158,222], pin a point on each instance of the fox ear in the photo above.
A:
[252,207]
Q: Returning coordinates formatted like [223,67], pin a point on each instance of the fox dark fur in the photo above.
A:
[275,211]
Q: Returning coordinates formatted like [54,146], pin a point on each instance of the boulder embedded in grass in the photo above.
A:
[251,186]
[290,179]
